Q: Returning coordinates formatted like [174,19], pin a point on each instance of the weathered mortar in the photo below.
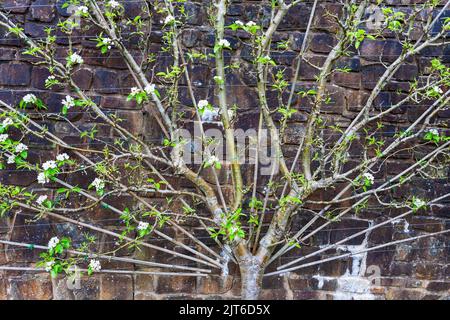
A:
[417,270]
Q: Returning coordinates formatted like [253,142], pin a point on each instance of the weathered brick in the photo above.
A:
[35,30]
[43,10]
[116,287]
[89,288]
[195,12]
[393,282]
[386,50]
[347,79]
[297,18]
[406,72]
[38,77]
[438,286]
[176,284]
[370,75]
[346,228]
[62,10]
[190,38]
[308,72]
[105,81]
[324,21]
[403,253]
[7,54]
[29,287]
[284,58]
[18,178]
[214,285]
[83,78]
[403,294]
[326,284]
[424,270]
[3,293]
[133,121]
[3,259]
[306,295]
[15,74]
[16,6]
[323,42]
[401,269]
[272,294]
[297,39]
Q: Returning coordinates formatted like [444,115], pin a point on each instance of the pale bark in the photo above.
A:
[252,273]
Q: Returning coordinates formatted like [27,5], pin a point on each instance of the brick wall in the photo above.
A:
[417,270]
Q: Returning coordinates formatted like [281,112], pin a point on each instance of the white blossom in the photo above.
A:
[212,160]
[49,266]
[62,157]
[41,199]
[142,225]
[68,102]
[53,242]
[29,98]
[150,88]
[434,132]
[11,159]
[82,10]
[95,265]
[369,177]
[250,24]
[113,4]
[135,91]
[418,203]
[209,115]
[21,147]
[231,114]
[7,122]
[3,137]
[224,43]
[203,104]
[169,19]
[42,179]
[107,42]
[50,78]
[239,23]
[50,164]
[98,184]
[438,89]
[75,58]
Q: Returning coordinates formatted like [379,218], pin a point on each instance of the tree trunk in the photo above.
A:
[251,280]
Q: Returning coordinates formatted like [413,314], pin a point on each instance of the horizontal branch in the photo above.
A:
[355,253]
[107,257]
[155,273]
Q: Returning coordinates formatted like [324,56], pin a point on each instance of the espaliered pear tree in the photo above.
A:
[250,219]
